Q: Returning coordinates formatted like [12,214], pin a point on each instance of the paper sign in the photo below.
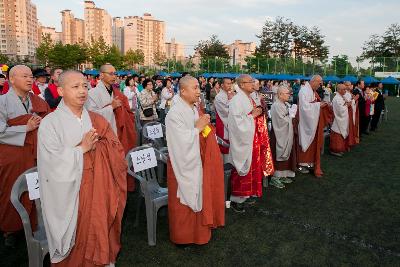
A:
[32,179]
[143,159]
[154,131]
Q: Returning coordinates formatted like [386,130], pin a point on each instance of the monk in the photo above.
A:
[51,94]
[221,103]
[351,100]
[262,130]
[340,126]
[314,116]
[114,107]
[283,144]
[246,137]
[83,196]
[21,113]
[196,199]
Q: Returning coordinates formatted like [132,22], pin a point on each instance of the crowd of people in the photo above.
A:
[77,130]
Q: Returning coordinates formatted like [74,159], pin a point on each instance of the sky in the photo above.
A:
[346,24]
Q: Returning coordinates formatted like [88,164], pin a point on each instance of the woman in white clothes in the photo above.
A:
[167,94]
[131,92]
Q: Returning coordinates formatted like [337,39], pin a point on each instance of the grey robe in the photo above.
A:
[283,129]
[60,167]
[99,101]
[10,108]
[184,151]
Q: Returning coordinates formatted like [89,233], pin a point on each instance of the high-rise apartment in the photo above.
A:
[98,23]
[18,28]
[73,29]
[174,50]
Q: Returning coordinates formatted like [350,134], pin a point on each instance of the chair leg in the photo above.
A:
[138,206]
[150,223]
[155,215]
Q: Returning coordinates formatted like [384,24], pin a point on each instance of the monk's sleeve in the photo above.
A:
[241,133]
[60,174]
[10,135]
[92,105]
[184,151]
[222,109]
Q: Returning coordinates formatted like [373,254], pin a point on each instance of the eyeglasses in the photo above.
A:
[249,82]
[111,73]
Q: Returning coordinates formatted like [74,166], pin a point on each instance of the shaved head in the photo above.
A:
[189,90]
[66,76]
[341,88]
[316,82]
[245,83]
[18,69]
[186,81]
[21,79]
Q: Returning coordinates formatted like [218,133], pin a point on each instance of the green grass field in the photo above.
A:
[351,217]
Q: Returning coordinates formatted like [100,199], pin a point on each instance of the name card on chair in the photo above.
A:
[143,159]
[32,179]
[155,131]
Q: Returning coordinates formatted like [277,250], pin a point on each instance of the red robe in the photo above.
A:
[261,163]
[102,199]
[219,126]
[15,160]
[124,118]
[351,139]
[186,226]
[313,153]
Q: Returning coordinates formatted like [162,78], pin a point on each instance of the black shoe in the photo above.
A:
[237,207]
[336,154]
[182,246]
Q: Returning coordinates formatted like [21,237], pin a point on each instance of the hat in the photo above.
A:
[40,73]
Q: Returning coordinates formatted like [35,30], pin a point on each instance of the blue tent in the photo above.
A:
[91,72]
[369,79]
[390,80]
[349,78]
[162,73]
[332,78]
[175,75]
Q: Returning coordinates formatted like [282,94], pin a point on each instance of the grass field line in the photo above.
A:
[281,216]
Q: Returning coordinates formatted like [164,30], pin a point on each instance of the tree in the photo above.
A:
[67,56]
[282,38]
[300,37]
[4,59]
[372,47]
[266,38]
[341,65]
[44,49]
[133,58]
[114,57]
[391,41]
[212,48]
[315,45]
[159,58]
[383,50]
[97,52]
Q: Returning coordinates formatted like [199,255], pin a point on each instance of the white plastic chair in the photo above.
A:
[227,168]
[154,195]
[158,142]
[36,242]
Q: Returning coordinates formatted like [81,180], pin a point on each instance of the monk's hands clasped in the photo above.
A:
[256,112]
[202,122]
[116,103]
[89,140]
[33,123]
